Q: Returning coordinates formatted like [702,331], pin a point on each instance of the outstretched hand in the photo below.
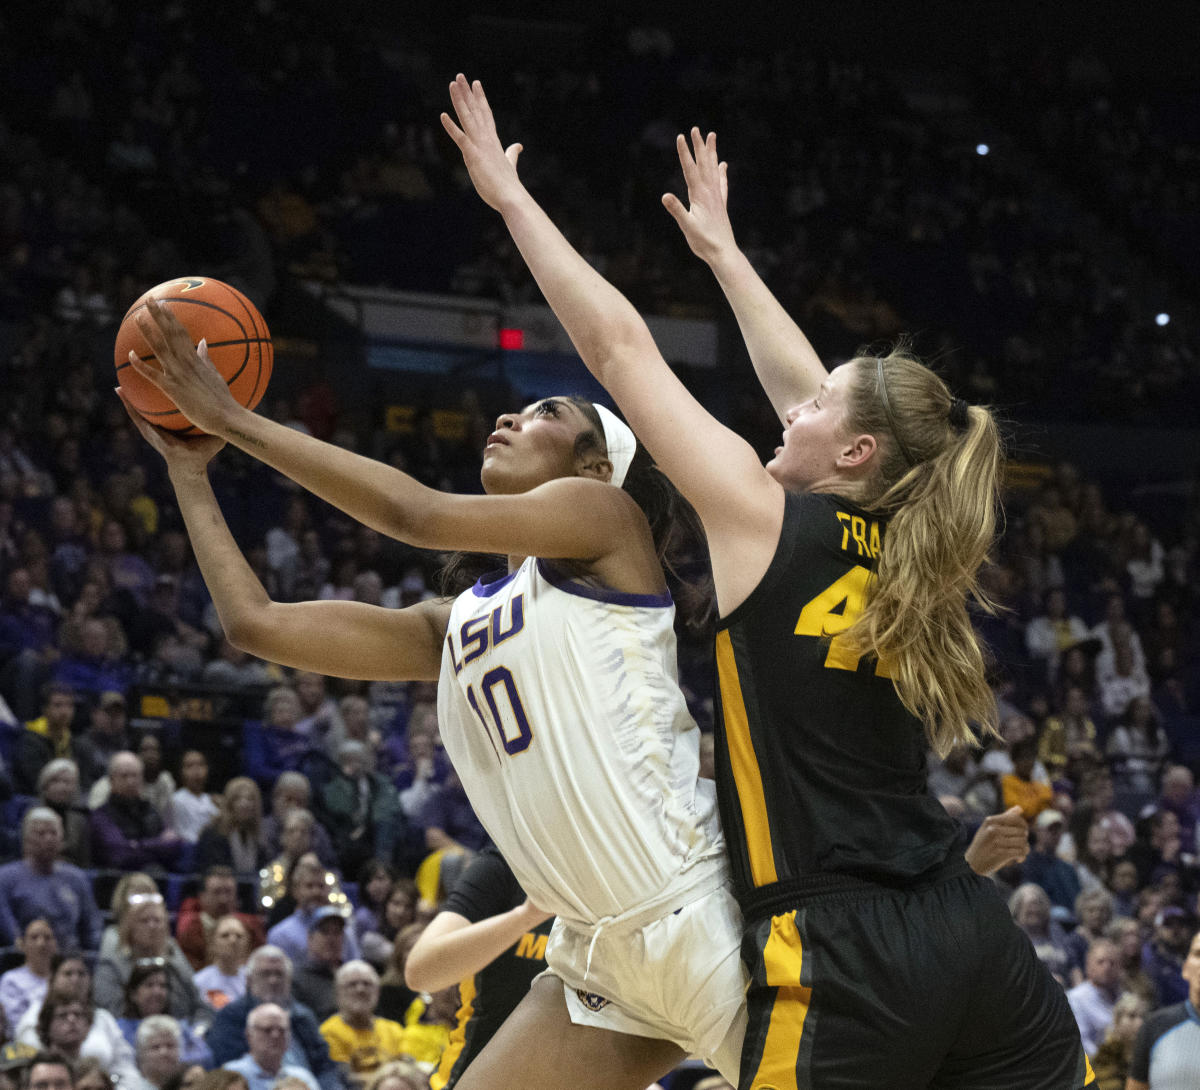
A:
[705,221]
[1001,839]
[180,454]
[182,371]
[492,167]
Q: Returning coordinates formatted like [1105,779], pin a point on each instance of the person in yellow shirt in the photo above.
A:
[354,1035]
[1018,788]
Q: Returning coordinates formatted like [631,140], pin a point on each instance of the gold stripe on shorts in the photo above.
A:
[783,958]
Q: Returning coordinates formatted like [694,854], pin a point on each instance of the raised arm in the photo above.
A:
[528,524]
[342,639]
[786,364]
[739,503]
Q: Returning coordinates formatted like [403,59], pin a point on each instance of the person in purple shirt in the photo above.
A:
[40,884]
[311,894]
[448,819]
[93,668]
[127,831]
[28,641]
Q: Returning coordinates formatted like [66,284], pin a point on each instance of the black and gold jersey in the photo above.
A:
[820,768]
[487,888]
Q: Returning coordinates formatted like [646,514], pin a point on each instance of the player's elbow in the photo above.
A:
[249,630]
[418,972]
[625,344]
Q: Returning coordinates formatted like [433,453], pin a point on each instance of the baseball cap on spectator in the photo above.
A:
[328,912]
[1172,912]
[1050,817]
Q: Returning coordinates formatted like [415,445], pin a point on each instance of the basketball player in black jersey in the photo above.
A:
[842,569]
[489,940]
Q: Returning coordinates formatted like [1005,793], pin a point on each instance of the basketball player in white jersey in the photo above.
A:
[558,704]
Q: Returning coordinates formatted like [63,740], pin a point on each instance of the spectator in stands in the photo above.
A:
[1145,568]
[1098,795]
[40,885]
[158,1048]
[311,892]
[293,792]
[269,980]
[1069,739]
[363,810]
[223,979]
[449,821]
[1163,956]
[131,889]
[1093,848]
[356,726]
[146,996]
[1179,797]
[145,937]
[299,832]
[375,882]
[356,1037]
[58,790]
[268,1031]
[1018,787]
[198,916]
[26,984]
[1030,908]
[28,641]
[234,838]
[94,666]
[281,747]
[64,1024]
[395,996]
[70,979]
[1092,1002]
[1048,635]
[1162,1059]
[1093,914]
[106,736]
[49,1071]
[313,982]
[45,738]
[192,806]
[1137,748]
[127,832]
[319,711]
[399,911]
[158,785]
[1115,623]
[1044,867]
[1112,1059]
[1122,681]
[1158,846]
[1123,884]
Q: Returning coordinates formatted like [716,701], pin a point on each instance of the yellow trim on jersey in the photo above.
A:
[783,958]
[1090,1074]
[458,1035]
[746,776]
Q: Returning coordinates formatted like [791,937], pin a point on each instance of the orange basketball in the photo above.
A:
[239,344]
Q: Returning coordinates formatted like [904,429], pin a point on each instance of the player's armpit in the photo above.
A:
[349,639]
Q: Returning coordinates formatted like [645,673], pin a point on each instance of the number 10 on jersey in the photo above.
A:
[507,713]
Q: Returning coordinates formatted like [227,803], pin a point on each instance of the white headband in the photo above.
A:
[620,442]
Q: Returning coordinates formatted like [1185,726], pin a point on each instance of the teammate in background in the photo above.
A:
[871,946]
[491,941]
[558,704]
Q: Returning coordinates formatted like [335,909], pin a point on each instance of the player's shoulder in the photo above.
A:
[1164,1020]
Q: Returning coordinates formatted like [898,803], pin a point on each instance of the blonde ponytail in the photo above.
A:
[939,483]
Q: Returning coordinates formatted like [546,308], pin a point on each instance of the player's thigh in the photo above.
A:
[540,1048]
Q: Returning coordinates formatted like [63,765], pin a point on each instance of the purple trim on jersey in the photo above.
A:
[600,594]
[483,589]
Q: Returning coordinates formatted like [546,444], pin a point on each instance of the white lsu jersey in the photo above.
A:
[560,709]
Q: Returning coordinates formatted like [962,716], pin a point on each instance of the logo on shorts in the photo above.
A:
[591,1000]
